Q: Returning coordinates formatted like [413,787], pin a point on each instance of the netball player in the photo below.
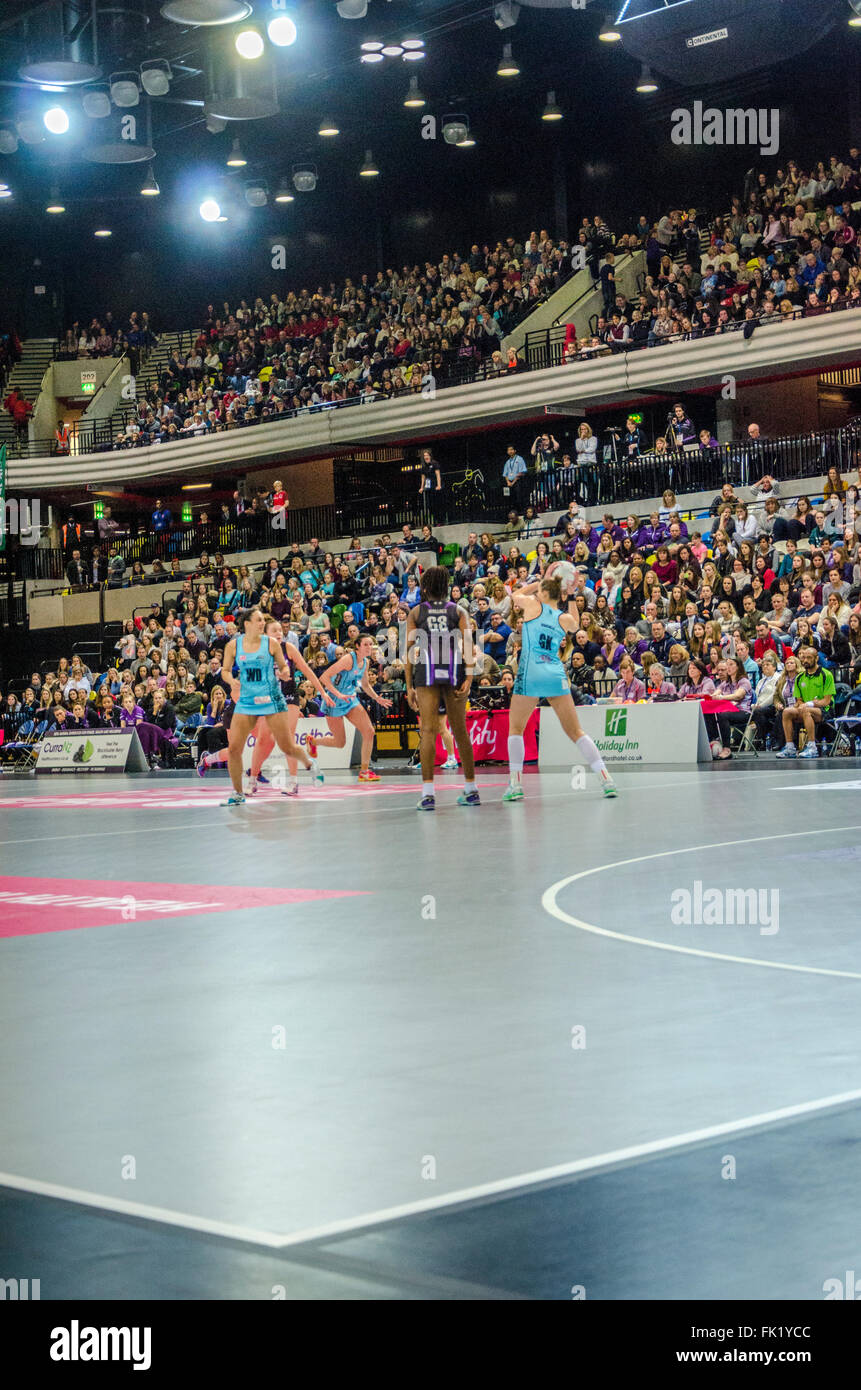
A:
[439,668]
[258,661]
[541,675]
[343,682]
[264,741]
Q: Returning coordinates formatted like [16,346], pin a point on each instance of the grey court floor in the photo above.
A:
[331,1048]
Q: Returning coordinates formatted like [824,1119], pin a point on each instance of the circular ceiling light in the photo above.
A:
[467,142]
[119,152]
[209,210]
[205,12]
[5,192]
[551,111]
[236,159]
[56,121]
[371,45]
[412,42]
[96,103]
[8,142]
[328,128]
[103,231]
[372,58]
[249,44]
[281,30]
[352,9]
[59,73]
[369,169]
[647,82]
[414,97]
[609,33]
[256,195]
[393,50]
[508,66]
[150,187]
[413,55]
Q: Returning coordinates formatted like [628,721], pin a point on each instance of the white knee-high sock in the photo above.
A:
[592,756]
[516,754]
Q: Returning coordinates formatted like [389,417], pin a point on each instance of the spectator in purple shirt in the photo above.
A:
[699,684]
[628,687]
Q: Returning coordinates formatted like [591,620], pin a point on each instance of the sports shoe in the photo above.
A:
[450,765]
[202,766]
[788,751]
[368,775]
[292,788]
[610,789]
[250,785]
[311,745]
[513,792]
[414,765]
[811,751]
[314,772]
[235,799]
[469,798]
[427,803]
[264,781]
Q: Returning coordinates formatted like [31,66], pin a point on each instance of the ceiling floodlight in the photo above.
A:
[96,103]
[284,195]
[508,66]
[551,111]
[150,187]
[304,177]
[155,76]
[352,9]
[609,33]
[281,30]
[249,43]
[414,97]
[125,89]
[209,210]
[56,121]
[369,169]
[647,82]
[236,159]
[256,195]
[328,128]
[205,12]
[455,128]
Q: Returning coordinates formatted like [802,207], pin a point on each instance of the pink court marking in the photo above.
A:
[204,798]
[30,906]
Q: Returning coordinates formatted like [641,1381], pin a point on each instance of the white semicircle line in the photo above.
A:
[550,905]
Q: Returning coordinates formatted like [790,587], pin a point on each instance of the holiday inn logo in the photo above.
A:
[616,723]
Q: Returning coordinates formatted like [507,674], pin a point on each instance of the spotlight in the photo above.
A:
[209,210]
[55,203]
[150,188]
[551,111]
[505,14]
[467,142]
[455,128]
[393,50]
[209,12]
[50,87]
[304,177]
[31,132]
[236,159]
[414,97]
[103,231]
[155,76]
[369,169]
[352,9]
[855,20]
[284,195]
[281,30]
[96,103]
[5,192]
[256,195]
[508,66]
[412,42]
[609,33]
[372,57]
[8,142]
[328,128]
[647,82]
[371,45]
[414,55]
[56,121]
[249,43]
[125,90]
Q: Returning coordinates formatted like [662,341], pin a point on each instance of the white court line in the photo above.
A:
[549,903]
[449,1199]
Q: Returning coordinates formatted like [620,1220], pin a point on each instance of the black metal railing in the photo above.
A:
[546,347]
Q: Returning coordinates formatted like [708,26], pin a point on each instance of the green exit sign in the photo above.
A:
[88,383]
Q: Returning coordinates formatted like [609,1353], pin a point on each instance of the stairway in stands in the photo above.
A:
[27,374]
[168,343]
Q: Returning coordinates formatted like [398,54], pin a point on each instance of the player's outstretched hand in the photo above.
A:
[386,704]
[412,700]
